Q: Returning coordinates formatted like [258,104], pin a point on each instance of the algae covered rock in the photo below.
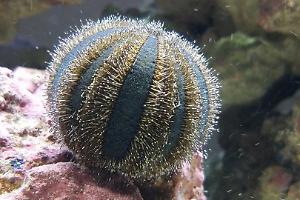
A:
[11,11]
[260,77]
[274,182]
[280,16]
[264,15]
[244,14]
[247,65]
[289,138]
[294,192]
[282,129]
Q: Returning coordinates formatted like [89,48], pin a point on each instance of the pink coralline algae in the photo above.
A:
[190,183]
[34,164]
[65,180]
[25,140]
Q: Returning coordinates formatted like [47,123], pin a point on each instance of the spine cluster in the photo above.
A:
[130,97]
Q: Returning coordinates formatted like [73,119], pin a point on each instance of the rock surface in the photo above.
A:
[65,180]
[31,156]
[189,184]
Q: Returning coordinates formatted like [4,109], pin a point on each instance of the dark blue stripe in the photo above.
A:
[204,111]
[66,62]
[178,115]
[128,109]
[86,79]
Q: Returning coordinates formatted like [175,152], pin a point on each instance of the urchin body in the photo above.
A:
[130,97]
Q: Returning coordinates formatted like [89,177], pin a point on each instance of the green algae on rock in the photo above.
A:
[248,66]
[257,16]
[130,97]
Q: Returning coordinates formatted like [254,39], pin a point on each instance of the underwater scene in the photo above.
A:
[150,99]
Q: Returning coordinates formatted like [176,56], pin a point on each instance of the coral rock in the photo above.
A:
[189,184]
[274,182]
[64,181]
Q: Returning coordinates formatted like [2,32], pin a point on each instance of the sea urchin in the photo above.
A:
[130,97]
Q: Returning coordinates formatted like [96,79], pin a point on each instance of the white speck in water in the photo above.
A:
[295,34]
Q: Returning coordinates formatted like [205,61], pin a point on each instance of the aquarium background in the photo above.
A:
[253,45]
